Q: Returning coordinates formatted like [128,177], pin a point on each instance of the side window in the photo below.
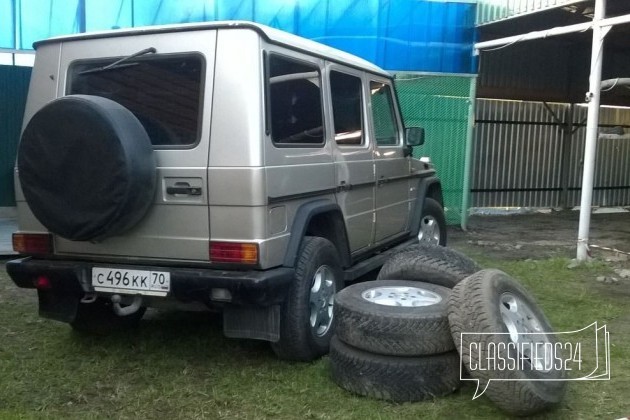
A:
[294,103]
[346,104]
[385,128]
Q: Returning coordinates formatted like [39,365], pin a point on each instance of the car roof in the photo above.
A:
[272,35]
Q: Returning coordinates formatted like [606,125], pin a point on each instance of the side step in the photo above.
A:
[374,262]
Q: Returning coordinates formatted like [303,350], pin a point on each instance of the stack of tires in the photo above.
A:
[393,339]
[399,338]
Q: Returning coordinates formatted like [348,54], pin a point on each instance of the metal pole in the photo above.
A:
[472,98]
[565,155]
[590,147]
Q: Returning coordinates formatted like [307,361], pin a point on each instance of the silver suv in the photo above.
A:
[226,164]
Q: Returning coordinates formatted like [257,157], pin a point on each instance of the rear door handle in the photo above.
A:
[183,188]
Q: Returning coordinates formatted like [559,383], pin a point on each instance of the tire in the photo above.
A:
[98,318]
[430,264]
[306,321]
[432,223]
[395,318]
[491,302]
[398,379]
[87,167]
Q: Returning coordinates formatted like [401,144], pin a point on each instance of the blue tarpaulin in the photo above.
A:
[410,35]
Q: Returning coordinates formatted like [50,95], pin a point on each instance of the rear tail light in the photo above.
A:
[32,243]
[234,253]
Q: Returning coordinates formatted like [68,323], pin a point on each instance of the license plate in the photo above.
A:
[114,280]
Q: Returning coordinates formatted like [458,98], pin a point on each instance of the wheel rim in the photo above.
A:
[526,332]
[321,300]
[429,230]
[401,296]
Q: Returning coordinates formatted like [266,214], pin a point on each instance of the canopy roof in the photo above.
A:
[554,69]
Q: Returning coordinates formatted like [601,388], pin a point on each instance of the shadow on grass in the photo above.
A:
[186,336]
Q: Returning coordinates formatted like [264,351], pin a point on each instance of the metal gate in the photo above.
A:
[530,154]
[13,88]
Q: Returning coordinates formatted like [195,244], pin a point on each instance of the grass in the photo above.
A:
[178,365]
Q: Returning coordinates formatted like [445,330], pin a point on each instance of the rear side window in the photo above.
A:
[163,92]
[294,102]
[346,103]
[385,128]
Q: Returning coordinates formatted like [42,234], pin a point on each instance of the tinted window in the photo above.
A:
[164,93]
[295,102]
[346,103]
[383,116]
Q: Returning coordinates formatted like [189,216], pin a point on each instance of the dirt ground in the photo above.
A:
[544,235]
[540,236]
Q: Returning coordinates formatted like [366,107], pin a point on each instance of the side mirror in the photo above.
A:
[414,136]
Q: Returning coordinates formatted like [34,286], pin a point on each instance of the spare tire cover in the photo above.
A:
[87,168]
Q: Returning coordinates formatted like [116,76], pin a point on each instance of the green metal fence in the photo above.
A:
[13,88]
[443,105]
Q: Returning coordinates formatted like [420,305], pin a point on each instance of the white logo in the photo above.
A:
[584,355]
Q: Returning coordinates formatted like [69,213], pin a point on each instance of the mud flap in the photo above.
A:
[58,306]
[253,322]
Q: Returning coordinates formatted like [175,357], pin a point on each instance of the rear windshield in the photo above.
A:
[163,92]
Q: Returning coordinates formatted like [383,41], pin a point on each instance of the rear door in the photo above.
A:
[352,151]
[166,91]
[392,167]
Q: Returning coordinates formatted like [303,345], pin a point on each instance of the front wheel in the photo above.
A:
[433,223]
[306,323]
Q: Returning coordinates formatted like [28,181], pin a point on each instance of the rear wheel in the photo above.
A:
[306,323]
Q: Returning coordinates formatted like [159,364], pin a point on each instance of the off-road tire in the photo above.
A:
[398,379]
[298,340]
[432,212]
[98,318]
[474,308]
[393,330]
[430,264]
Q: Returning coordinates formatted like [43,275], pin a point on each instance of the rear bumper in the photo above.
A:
[252,287]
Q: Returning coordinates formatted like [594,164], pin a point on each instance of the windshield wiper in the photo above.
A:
[119,63]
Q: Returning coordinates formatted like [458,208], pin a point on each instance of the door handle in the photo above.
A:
[183,188]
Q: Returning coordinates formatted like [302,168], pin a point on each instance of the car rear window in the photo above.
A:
[163,92]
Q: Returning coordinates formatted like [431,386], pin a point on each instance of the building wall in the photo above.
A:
[411,35]
[552,70]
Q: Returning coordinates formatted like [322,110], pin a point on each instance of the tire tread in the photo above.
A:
[398,379]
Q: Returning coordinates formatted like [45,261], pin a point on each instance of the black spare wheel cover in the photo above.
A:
[86,167]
